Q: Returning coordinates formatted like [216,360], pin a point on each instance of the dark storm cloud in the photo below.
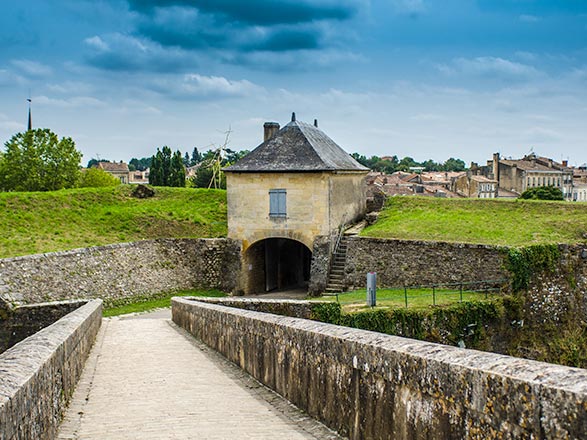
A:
[261,12]
[168,34]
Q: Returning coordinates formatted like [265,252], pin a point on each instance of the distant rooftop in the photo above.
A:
[297,147]
[113,166]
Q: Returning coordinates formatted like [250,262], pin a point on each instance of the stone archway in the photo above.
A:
[276,263]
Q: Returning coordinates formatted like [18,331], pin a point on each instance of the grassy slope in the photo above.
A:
[157,303]
[42,222]
[497,222]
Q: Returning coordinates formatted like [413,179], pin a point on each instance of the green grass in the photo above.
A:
[495,222]
[158,303]
[396,298]
[35,222]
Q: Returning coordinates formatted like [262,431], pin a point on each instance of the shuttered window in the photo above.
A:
[277,207]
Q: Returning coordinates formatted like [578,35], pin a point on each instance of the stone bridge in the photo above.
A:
[148,379]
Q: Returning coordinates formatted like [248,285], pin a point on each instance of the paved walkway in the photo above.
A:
[148,379]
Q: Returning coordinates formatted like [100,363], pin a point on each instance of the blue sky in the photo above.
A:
[420,78]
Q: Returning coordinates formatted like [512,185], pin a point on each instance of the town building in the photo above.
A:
[518,175]
[117,169]
[471,185]
[297,185]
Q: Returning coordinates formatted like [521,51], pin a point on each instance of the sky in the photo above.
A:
[429,79]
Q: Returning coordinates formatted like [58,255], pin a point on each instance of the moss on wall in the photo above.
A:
[525,262]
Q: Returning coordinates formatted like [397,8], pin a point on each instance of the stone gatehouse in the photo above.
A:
[297,185]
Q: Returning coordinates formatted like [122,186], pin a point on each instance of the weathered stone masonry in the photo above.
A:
[414,263]
[24,321]
[39,374]
[368,385]
[121,271]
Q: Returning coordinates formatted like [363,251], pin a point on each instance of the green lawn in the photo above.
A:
[396,298]
[35,222]
[158,303]
[495,222]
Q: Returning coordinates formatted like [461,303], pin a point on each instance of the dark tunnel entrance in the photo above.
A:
[277,263]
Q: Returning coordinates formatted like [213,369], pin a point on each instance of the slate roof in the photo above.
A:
[113,167]
[297,147]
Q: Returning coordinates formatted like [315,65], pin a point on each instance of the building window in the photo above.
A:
[277,206]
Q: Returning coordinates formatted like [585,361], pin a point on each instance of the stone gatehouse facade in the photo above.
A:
[297,185]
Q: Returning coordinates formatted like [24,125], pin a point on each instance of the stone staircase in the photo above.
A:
[336,274]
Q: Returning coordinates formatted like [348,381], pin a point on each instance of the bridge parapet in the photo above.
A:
[370,385]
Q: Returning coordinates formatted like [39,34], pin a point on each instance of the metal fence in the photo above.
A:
[432,294]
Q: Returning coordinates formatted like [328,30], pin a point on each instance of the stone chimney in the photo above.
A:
[270,128]
[565,163]
[316,123]
[496,166]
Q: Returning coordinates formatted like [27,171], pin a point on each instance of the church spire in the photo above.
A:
[30,126]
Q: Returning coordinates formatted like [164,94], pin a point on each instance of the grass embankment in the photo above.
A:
[161,302]
[421,298]
[34,222]
[494,222]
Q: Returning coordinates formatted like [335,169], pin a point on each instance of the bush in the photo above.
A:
[95,178]
[543,193]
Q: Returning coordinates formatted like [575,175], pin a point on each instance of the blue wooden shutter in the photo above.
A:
[277,203]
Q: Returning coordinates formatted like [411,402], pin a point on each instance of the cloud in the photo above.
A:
[188,29]
[7,124]
[426,117]
[118,52]
[489,67]
[73,102]
[205,87]
[32,68]
[97,43]
[526,18]
[410,7]
[175,36]
[541,135]
[9,79]
[260,12]
[292,61]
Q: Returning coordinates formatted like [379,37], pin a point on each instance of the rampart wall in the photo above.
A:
[39,374]
[121,271]
[369,385]
[414,263]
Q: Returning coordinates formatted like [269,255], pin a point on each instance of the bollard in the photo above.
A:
[371,289]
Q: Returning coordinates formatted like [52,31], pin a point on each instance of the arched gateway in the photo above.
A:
[297,185]
[277,263]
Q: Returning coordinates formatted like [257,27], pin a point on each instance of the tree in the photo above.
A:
[94,162]
[96,177]
[38,161]
[167,170]
[196,157]
[186,160]
[140,164]
[543,193]
[453,164]
[177,171]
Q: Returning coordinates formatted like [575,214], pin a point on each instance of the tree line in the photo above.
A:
[391,164]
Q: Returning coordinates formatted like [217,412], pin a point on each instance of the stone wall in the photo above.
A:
[120,271]
[368,385]
[321,256]
[24,321]
[418,263]
[40,373]
[284,307]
